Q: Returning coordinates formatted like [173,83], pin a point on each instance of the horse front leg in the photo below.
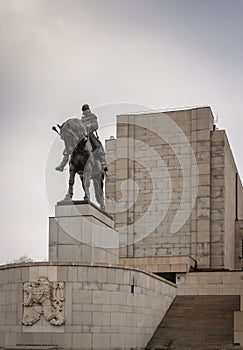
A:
[86,184]
[82,181]
[69,194]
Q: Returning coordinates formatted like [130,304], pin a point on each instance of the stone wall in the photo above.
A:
[239,227]
[210,283]
[217,202]
[239,199]
[193,237]
[224,175]
[105,307]
[161,263]
[138,186]
[230,207]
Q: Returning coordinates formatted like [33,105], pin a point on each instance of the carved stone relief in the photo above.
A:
[43,297]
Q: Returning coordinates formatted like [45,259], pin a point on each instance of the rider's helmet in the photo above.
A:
[85,107]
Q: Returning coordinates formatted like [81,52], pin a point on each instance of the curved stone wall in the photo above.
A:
[105,307]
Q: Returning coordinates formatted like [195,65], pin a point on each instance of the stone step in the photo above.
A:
[33,347]
[197,322]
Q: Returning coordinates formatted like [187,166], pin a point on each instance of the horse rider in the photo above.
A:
[90,122]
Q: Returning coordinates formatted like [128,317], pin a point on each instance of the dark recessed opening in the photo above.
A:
[169,276]
[241,248]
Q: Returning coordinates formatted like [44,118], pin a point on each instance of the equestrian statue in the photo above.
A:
[85,154]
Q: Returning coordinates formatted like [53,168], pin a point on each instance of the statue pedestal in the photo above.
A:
[80,232]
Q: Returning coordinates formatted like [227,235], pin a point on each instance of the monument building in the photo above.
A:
[160,267]
[211,234]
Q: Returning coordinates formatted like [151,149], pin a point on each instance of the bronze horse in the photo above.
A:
[83,160]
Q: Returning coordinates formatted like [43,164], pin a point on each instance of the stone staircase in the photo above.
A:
[33,347]
[197,323]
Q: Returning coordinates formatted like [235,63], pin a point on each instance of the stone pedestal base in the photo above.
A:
[80,232]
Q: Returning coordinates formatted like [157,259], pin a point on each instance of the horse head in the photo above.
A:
[72,132]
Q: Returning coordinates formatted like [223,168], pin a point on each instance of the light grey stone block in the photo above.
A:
[82,318]
[93,274]
[85,210]
[101,341]
[118,319]
[118,341]
[10,339]
[101,318]
[118,298]
[68,303]
[24,338]
[101,297]
[62,273]
[72,274]
[53,252]
[82,341]
[82,297]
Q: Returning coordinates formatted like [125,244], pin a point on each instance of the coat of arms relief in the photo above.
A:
[46,298]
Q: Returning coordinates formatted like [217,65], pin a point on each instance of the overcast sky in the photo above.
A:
[116,55]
